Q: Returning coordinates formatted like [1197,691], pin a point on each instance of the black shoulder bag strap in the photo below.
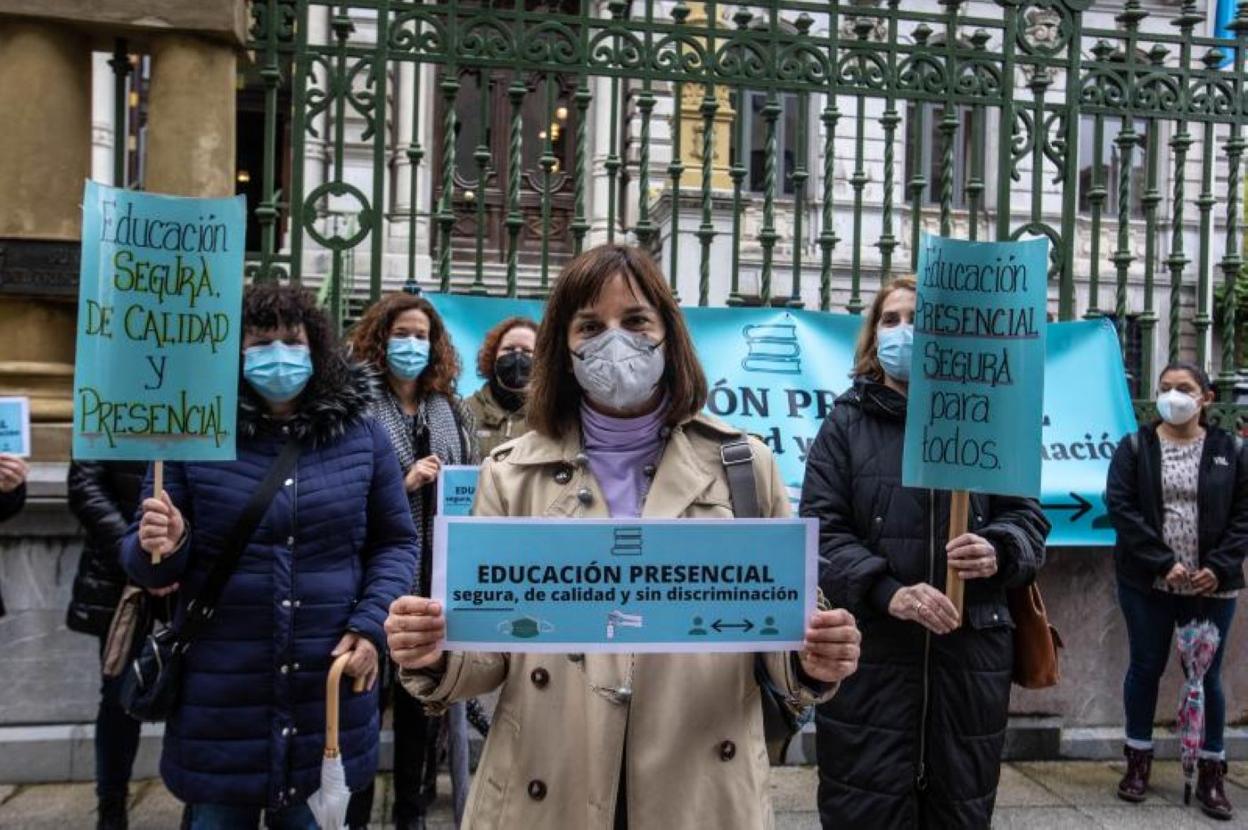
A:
[781,720]
[738,460]
[200,610]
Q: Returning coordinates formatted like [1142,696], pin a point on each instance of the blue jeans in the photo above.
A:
[1151,618]
[116,742]
[228,817]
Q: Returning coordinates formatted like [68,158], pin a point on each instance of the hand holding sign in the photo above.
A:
[972,557]
[13,472]
[414,631]
[832,645]
[424,471]
[162,528]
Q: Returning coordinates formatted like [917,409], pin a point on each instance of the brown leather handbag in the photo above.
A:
[1035,641]
[130,623]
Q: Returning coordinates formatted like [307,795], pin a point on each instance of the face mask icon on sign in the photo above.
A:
[525,628]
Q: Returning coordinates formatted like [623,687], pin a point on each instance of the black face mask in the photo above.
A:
[513,371]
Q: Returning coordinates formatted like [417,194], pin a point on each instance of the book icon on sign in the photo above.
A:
[773,348]
[627,542]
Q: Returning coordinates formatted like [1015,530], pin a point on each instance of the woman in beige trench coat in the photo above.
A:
[603,741]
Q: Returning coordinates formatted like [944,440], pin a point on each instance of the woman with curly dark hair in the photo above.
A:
[403,337]
[335,545]
[500,407]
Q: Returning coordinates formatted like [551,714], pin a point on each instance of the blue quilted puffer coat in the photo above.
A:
[335,548]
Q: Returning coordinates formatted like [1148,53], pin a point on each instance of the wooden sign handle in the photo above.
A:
[333,685]
[959,517]
[158,487]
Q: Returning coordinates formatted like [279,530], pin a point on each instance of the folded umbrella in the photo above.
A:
[329,803]
[1197,645]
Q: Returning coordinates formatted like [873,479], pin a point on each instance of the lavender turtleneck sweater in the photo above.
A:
[619,450]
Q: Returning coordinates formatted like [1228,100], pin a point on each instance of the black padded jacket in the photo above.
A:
[914,738]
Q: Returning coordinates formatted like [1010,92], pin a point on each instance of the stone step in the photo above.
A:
[65,752]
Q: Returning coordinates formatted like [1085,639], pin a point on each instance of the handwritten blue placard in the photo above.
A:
[976,397]
[457,487]
[604,585]
[15,426]
[159,305]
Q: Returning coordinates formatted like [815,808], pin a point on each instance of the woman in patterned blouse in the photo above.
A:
[405,340]
[1178,498]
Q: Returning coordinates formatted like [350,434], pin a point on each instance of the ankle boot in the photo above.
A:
[111,814]
[1211,790]
[1134,785]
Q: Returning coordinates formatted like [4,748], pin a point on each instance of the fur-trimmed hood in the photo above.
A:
[320,420]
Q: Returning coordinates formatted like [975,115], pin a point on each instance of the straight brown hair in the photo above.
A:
[866,362]
[555,395]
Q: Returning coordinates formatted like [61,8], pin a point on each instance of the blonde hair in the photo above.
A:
[866,363]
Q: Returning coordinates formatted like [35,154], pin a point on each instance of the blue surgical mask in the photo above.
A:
[407,356]
[894,347]
[276,371]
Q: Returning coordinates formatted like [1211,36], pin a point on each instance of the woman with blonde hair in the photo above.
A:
[914,739]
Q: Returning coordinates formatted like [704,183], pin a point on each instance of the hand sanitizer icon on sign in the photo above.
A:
[618,619]
[773,349]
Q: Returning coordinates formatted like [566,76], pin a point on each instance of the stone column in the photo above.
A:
[191,117]
[45,154]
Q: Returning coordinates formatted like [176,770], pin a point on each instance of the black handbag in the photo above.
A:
[783,717]
[149,690]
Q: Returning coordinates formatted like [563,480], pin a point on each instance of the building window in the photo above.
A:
[755,131]
[1111,166]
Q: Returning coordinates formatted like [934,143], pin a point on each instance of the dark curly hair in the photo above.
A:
[271,305]
[489,349]
[370,335]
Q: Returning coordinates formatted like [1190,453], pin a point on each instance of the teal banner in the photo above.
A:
[1087,412]
[777,373]
[976,400]
[159,305]
[642,585]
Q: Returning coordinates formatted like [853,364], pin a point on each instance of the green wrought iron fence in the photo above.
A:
[1007,94]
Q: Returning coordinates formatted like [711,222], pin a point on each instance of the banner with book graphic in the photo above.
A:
[777,373]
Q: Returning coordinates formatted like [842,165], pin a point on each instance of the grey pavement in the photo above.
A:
[1056,795]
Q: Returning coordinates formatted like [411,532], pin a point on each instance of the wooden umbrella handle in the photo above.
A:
[333,687]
